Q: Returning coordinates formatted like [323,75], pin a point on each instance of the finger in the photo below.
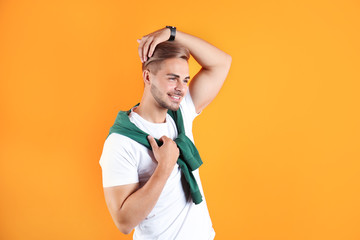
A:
[146,48]
[152,48]
[164,139]
[140,48]
[140,53]
[152,142]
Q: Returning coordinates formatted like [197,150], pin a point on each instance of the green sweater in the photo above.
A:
[189,158]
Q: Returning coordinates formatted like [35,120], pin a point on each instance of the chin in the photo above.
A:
[169,105]
[173,107]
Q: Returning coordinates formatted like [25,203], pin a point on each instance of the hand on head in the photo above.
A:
[148,42]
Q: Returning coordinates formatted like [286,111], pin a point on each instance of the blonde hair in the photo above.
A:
[163,51]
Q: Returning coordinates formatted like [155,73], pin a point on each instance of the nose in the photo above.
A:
[180,86]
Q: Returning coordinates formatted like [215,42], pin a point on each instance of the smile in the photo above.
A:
[175,98]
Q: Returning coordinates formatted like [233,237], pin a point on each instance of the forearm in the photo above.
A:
[207,55]
[139,204]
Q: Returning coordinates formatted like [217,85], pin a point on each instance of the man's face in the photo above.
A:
[170,84]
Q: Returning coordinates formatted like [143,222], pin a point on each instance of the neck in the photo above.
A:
[151,111]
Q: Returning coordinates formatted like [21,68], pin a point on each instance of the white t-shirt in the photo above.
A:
[125,161]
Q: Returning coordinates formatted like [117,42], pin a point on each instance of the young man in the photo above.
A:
[147,187]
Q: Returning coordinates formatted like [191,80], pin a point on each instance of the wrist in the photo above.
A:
[172,33]
[164,169]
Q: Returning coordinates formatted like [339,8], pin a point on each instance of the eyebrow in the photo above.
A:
[175,75]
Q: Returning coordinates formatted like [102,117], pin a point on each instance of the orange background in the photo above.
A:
[280,142]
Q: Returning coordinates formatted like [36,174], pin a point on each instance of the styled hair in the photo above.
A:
[163,51]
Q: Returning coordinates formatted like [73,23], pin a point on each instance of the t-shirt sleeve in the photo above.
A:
[118,164]
[188,107]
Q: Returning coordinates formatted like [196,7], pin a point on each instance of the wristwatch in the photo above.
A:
[173,33]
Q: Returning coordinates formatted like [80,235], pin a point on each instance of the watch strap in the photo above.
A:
[173,33]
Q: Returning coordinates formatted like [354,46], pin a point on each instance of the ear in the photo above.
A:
[146,76]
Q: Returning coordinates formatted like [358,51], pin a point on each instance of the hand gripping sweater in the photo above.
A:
[189,158]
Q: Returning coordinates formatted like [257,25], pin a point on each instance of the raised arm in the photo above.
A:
[215,63]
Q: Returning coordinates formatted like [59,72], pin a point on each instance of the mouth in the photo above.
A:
[175,97]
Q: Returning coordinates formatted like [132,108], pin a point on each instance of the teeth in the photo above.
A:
[175,97]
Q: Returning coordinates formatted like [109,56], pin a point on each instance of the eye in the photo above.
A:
[172,78]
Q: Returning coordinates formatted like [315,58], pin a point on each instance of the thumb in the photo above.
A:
[152,142]
[138,40]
